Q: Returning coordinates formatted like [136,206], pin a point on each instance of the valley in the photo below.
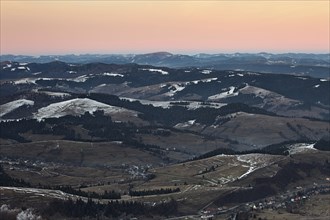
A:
[152,142]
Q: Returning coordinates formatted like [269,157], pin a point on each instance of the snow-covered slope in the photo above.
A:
[11,106]
[167,104]
[78,106]
[163,72]
[226,94]
[301,148]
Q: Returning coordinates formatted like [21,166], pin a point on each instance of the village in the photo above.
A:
[290,201]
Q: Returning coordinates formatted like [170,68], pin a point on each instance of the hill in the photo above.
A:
[97,140]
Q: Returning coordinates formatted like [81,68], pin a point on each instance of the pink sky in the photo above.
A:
[62,27]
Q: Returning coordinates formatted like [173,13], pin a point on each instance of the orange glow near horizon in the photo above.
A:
[62,27]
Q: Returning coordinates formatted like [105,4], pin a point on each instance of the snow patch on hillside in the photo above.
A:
[101,85]
[8,65]
[33,80]
[174,88]
[112,74]
[25,81]
[206,71]
[203,80]
[255,161]
[195,105]
[167,104]
[55,94]
[82,78]
[42,192]
[226,94]
[162,104]
[77,106]
[301,148]
[157,70]
[185,124]
[72,72]
[11,106]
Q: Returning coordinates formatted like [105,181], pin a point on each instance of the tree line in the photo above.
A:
[106,195]
[115,209]
[6,180]
[274,149]
[153,192]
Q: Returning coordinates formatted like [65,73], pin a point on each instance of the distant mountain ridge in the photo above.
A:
[316,65]
[283,94]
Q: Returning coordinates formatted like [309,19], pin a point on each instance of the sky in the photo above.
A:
[79,27]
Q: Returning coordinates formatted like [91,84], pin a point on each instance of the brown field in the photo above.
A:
[192,144]
[80,153]
[255,131]
[114,166]
[226,169]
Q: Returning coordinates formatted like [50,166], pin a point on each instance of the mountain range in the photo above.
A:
[316,65]
[196,99]
[111,140]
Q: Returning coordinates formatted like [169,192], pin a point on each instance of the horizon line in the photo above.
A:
[155,52]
